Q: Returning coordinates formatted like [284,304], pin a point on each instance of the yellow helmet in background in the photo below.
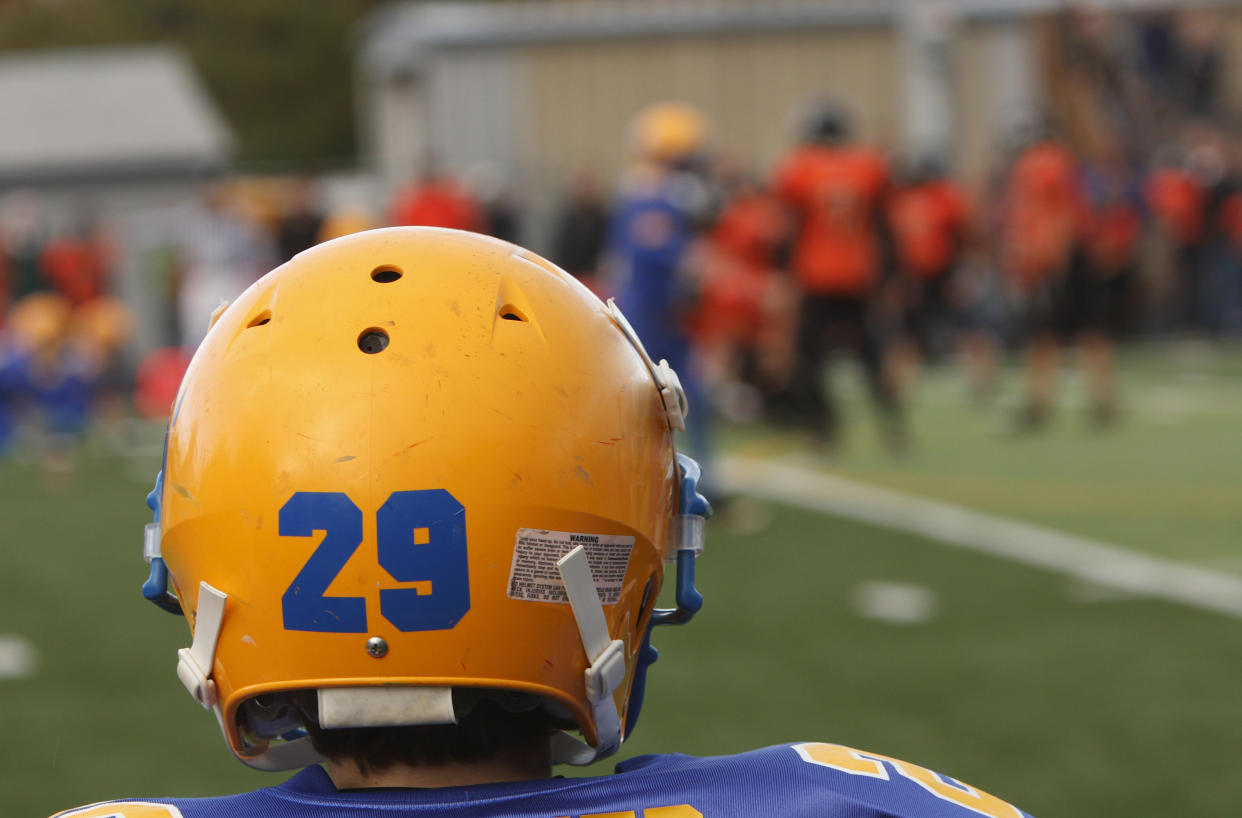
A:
[39,321]
[104,322]
[344,222]
[378,460]
[668,131]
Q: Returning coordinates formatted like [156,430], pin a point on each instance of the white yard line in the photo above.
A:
[18,657]
[1107,565]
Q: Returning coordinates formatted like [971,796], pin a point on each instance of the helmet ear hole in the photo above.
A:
[373,340]
[260,319]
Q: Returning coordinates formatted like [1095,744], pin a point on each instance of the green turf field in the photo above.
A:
[1167,479]
[1067,702]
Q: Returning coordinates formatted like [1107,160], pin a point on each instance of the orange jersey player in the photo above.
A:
[436,201]
[1042,207]
[77,267]
[1178,202]
[744,243]
[928,221]
[1229,219]
[836,194]
[1110,235]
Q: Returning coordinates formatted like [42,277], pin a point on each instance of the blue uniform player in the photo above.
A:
[12,379]
[418,495]
[664,205]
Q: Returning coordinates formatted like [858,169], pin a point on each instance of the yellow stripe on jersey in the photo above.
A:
[675,811]
[859,762]
[123,809]
[678,811]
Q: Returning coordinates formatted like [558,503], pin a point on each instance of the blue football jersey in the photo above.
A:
[654,222]
[786,781]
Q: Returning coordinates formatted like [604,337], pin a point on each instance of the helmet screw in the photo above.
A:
[377,647]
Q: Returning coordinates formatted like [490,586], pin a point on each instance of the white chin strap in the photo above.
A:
[194,666]
[605,672]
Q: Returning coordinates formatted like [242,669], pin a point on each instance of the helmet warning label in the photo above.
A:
[533,576]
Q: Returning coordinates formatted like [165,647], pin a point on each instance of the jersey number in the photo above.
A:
[874,765]
[421,541]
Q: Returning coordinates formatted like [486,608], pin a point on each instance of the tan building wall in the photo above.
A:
[582,97]
[539,109]
[504,84]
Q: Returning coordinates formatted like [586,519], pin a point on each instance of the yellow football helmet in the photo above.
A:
[668,131]
[105,321]
[38,321]
[411,461]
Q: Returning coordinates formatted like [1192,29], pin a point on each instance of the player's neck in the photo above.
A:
[346,775]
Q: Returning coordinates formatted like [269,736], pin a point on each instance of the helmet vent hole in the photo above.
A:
[260,319]
[373,340]
[386,274]
[511,313]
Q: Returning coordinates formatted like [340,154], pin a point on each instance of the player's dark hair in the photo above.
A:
[826,124]
[486,728]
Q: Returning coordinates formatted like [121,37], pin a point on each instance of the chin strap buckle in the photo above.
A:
[606,673]
[672,394]
[194,664]
[606,658]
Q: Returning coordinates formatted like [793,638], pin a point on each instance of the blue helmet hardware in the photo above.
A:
[156,586]
[688,537]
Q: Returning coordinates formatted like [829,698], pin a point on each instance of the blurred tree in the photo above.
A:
[281,70]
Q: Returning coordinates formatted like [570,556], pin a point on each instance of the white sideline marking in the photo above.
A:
[1107,565]
[18,657]
[897,603]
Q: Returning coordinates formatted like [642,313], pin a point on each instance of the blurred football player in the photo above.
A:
[928,218]
[419,490]
[78,262]
[63,356]
[836,191]
[1102,277]
[48,383]
[1177,197]
[159,375]
[1041,208]
[665,204]
[23,231]
[98,333]
[221,251]
[582,226]
[436,199]
[14,369]
[738,326]
[301,219]
[345,220]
